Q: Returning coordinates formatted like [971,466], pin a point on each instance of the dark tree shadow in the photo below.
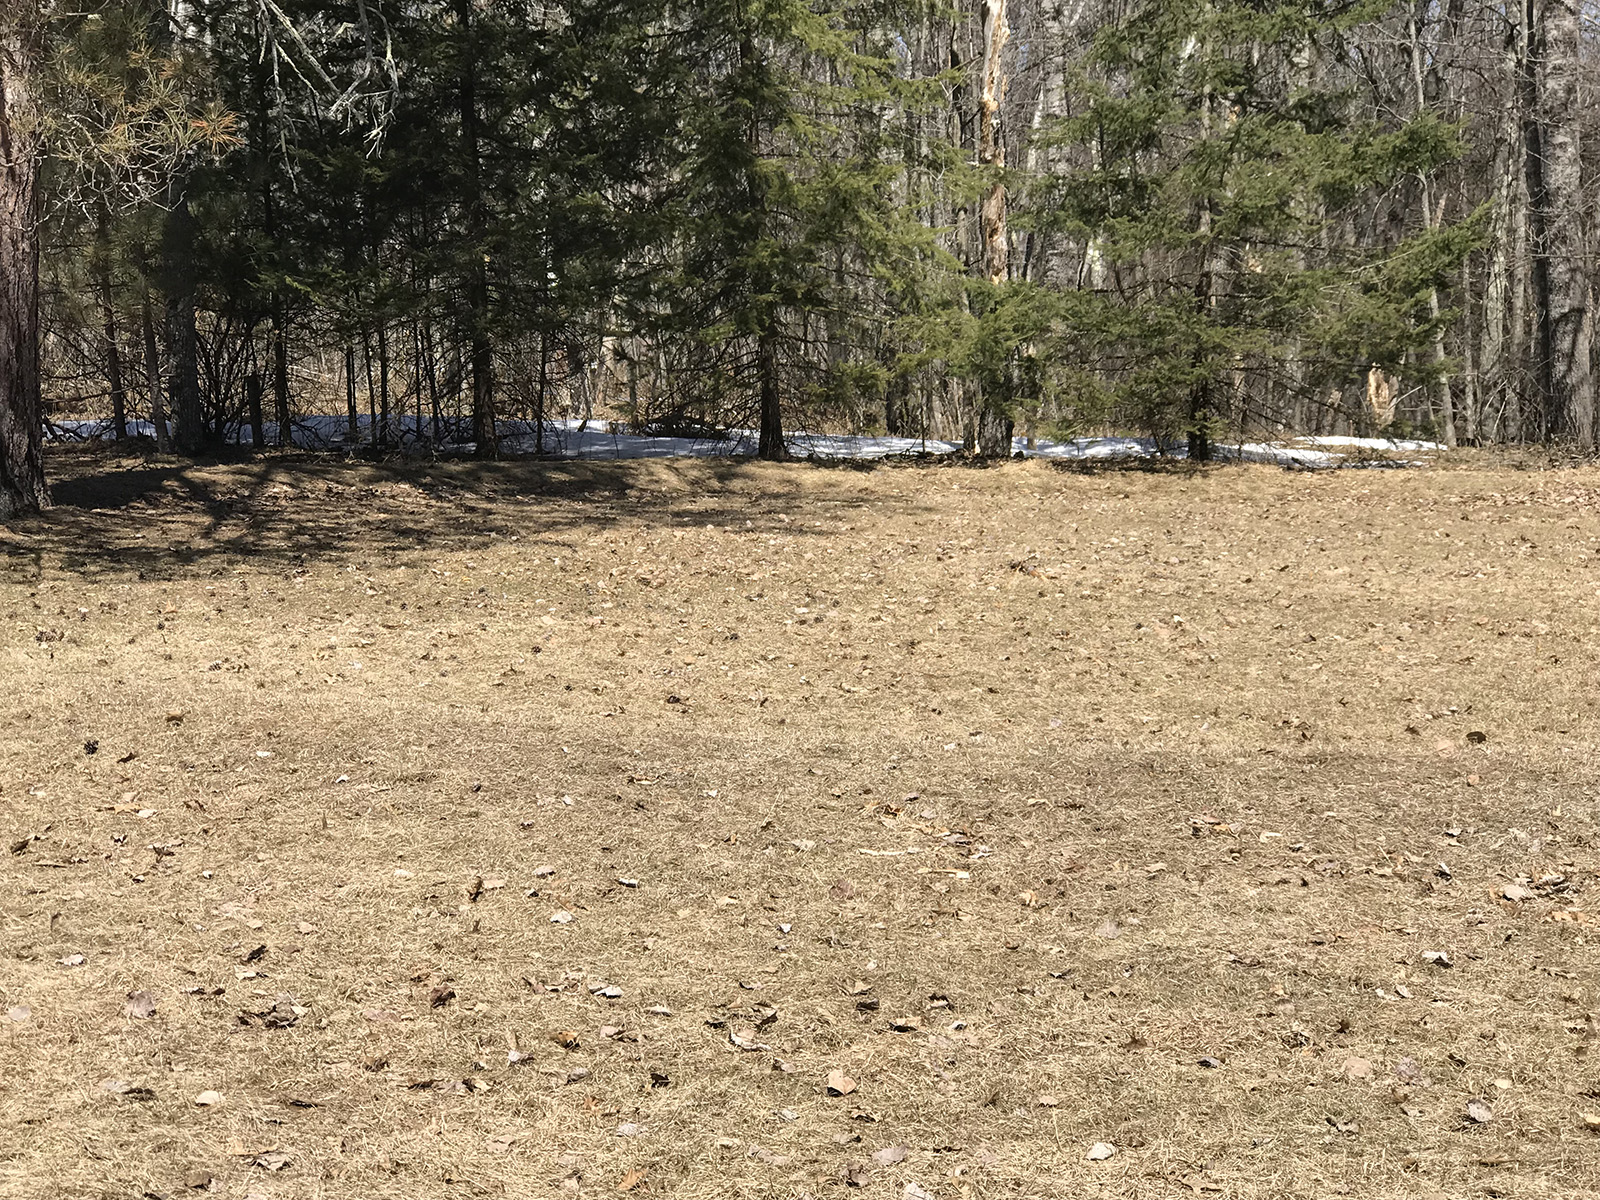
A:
[117,511]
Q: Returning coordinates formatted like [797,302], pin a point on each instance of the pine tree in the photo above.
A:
[1213,180]
[789,229]
[22,487]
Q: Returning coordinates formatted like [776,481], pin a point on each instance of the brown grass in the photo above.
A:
[951,727]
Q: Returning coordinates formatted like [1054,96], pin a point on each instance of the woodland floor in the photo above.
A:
[1051,808]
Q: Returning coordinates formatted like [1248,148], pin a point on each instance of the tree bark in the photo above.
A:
[482,353]
[1570,399]
[770,444]
[992,436]
[152,372]
[108,322]
[183,343]
[991,148]
[22,486]
[1432,218]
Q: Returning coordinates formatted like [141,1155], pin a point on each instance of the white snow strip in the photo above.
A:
[577,439]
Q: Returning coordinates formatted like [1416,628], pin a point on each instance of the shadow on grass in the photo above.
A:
[118,511]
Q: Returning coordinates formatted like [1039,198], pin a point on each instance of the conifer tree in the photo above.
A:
[788,220]
[1214,180]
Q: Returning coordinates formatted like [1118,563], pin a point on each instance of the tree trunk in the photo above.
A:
[352,418]
[108,322]
[770,445]
[280,377]
[991,148]
[152,372]
[483,423]
[252,398]
[22,487]
[178,283]
[994,427]
[1570,400]
[1432,218]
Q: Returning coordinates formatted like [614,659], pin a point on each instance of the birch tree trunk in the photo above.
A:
[22,488]
[993,434]
[1570,411]
[1432,217]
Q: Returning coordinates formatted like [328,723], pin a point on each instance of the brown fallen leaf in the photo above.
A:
[1357,1068]
[440,996]
[272,1160]
[632,1180]
[840,1084]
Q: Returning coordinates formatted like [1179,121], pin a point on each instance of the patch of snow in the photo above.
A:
[577,439]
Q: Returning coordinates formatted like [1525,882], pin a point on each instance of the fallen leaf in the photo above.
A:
[1108,929]
[271,1160]
[1479,1112]
[208,1099]
[1357,1068]
[197,1180]
[1048,1101]
[632,1180]
[1406,1070]
[141,1005]
[631,1129]
[1516,892]
[889,1155]
[440,996]
[72,960]
[912,1191]
[840,1084]
[1591,1122]
[1100,1151]
[762,1154]
[1437,957]
[18,1013]
[561,918]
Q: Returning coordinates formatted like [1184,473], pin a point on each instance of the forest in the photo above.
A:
[1197,220]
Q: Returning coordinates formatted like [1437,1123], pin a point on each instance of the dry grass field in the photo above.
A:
[554,830]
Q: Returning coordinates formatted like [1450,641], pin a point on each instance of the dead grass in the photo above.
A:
[937,730]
